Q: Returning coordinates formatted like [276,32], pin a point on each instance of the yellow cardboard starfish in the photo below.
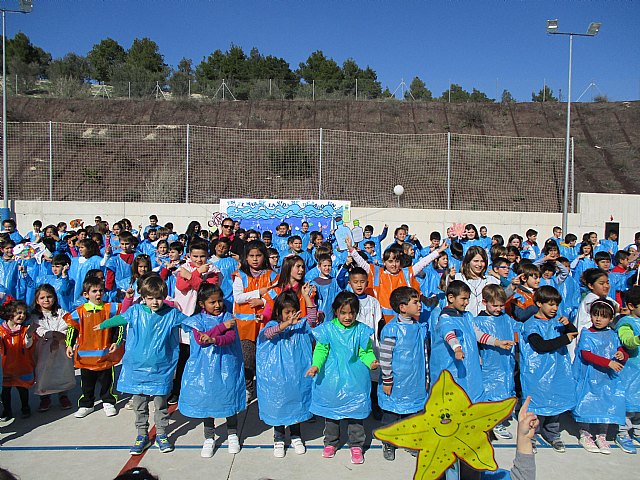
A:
[451,426]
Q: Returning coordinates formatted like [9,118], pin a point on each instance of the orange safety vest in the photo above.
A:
[18,364]
[92,347]
[248,328]
[382,283]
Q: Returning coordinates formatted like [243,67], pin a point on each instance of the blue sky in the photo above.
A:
[472,43]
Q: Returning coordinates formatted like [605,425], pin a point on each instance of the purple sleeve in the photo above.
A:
[271,332]
[217,330]
[312,316]
[226,339]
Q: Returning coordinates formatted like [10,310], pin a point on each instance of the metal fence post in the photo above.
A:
[356,89]
[186,181]
[50,161]
[320,169]
[448,170]
[313,86]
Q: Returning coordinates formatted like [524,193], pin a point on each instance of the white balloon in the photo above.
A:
[398,190]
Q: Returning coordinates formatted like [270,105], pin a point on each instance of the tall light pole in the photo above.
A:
[592,31]
[25,7]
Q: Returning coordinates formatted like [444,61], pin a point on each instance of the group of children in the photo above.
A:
[311,326]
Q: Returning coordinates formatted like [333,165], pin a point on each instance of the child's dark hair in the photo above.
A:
[547,294]
[570,237]
[530,233]
[513,249]
[499,261]
[95,272]
[547,267]
[435,236]
[393,250]
[45,287]
[262,248]
[499,239]
[288,298]
[198,244]
[285,271]
[402,296]
[205,291]
[324,257]
[177,246]
[8,311]
[457,287]
[91,281]
[293,238]
[591,276]
[550,245]
[493,294]
[497,251]
[621,255]
[601,257]
[470,255]
[456,250]
[267,234]
[152,285]
[92,247]
[37,223]
[583,245]
[314,236]
[272,251]
[358,271]
[346,298]
[632,296]
[140,259]
[603,308]
[322,249]
[61,260]
[129,238]
[370,242]
[528,269]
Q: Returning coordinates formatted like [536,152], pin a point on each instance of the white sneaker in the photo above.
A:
[83,412]
[298,446]
[233,444]
[109,409]
[501,432]
[207,448]
[603,444]
[129,405]
[278,449]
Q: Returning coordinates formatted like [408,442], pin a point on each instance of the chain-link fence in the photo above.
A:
[195,164]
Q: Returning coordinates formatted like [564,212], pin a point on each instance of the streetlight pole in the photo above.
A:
[25,7]
[592,31]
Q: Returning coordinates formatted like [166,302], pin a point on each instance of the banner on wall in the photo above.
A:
[267,214]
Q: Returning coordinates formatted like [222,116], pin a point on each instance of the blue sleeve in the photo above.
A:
[342,278]
[383,235]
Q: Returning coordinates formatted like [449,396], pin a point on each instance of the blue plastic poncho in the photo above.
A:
[78,272]
[213,379]
[9,276]
[600,392]
[630,374]
[151,352]
[466,372]
[326,294]
[342,387]
[284,393]
[547,377]
[498,364]
[409,392]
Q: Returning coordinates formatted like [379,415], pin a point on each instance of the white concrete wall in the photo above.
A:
[594,211]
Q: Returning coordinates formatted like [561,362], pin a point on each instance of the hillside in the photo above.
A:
[613,127]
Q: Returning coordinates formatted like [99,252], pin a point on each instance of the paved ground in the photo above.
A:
[55,445]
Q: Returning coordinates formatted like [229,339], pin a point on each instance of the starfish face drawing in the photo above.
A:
[450,427]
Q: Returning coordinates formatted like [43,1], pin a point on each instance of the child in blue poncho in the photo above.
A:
[600,392]
[454,343]
[545,365]
[403,362]
[342,387]
[498,364]
[628,330]
[213,379]
[283,354]
[149,360]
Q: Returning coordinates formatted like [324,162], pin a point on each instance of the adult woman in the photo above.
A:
[473,273]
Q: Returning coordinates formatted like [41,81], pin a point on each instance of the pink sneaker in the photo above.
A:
[356,456]
[329,451]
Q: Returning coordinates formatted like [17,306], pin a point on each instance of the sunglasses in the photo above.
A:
[227,226]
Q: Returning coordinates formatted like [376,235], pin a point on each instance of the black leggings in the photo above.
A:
[6,399]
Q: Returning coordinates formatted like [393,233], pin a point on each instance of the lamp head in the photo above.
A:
[26,6]
[594,28]
[552,26]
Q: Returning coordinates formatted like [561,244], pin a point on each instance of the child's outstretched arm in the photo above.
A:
[117,321]
[627,337]
[541,345]
[424,262]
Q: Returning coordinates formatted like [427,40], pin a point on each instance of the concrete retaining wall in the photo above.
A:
[593,211]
